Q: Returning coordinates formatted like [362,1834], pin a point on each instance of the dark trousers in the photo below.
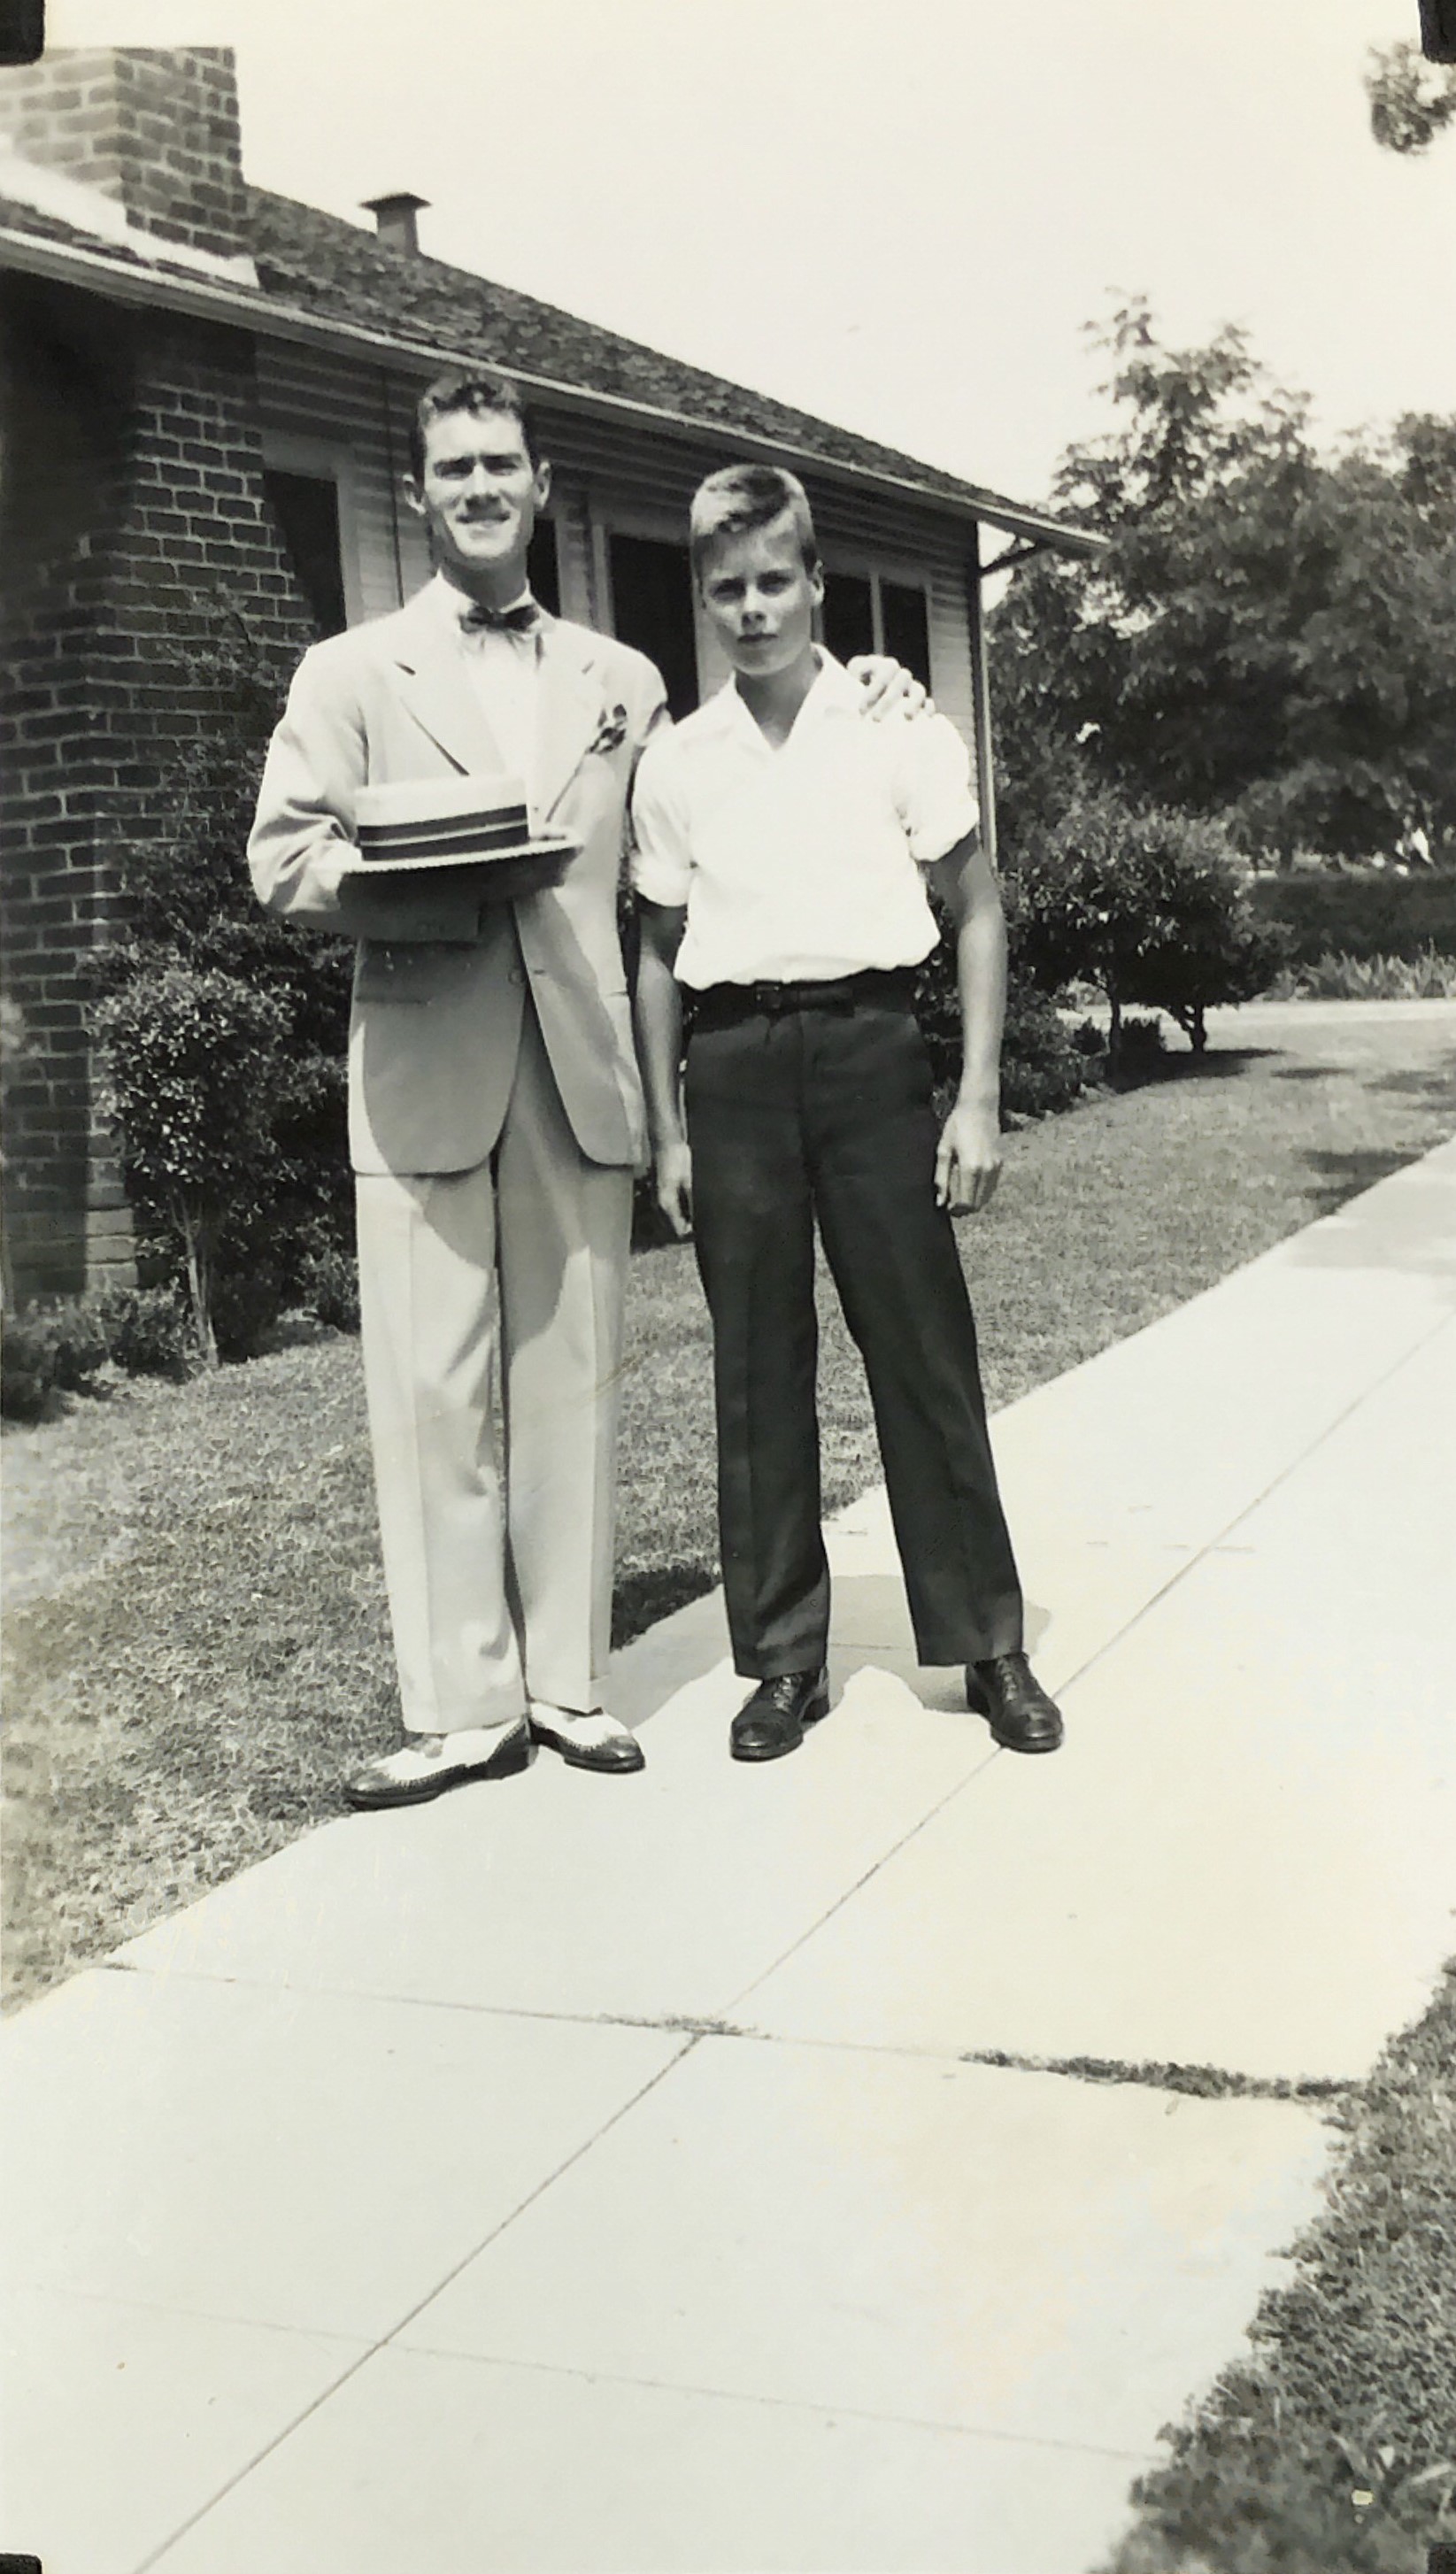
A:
[827,1113]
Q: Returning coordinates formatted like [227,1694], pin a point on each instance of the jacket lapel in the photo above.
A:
[435,688]
[570,713]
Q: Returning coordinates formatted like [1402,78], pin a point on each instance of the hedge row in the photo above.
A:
[1359,911]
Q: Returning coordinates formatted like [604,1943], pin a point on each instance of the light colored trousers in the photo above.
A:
[492,1306]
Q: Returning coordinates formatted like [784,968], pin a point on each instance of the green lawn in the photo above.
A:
[197,1646]
[1333,2450]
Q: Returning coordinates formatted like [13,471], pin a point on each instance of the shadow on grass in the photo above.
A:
[1430,1085]
[642,1598]
[1342,1176]
[1217,1063]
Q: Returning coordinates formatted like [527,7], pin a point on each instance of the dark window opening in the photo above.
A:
[905,618]
[305,508]
[543,567]
[652,599]
[848,615]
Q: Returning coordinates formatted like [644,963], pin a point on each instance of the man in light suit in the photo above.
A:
[496,1117]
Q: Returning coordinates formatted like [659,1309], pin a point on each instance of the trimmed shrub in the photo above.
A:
[1041,1069]
[190,911]
[1144,902]
[1358,911]
[190,1060]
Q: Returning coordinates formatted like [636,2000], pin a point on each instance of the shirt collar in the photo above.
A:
[832,692]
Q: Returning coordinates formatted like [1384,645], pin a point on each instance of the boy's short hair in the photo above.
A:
[741,497]
[474,390]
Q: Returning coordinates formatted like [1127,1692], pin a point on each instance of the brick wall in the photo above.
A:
[144,534]
[154,127]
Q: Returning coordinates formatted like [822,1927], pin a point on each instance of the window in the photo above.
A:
[866,613]
[543,567]
[905,627]
[305,509]
[848,615]
[651,606]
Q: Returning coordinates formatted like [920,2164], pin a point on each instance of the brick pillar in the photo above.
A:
[140,529]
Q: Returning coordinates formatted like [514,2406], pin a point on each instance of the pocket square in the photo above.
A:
[610,732]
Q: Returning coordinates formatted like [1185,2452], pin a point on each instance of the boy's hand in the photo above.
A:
[968,1163]
[672,1170]
[889,687]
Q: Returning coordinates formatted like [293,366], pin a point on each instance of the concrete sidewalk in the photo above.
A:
[591,2174]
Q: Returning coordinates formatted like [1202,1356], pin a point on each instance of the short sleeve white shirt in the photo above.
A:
[802,863]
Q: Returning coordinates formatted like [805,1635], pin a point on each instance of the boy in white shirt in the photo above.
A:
[783,848]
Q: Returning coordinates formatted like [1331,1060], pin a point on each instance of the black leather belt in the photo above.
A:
[721,1005]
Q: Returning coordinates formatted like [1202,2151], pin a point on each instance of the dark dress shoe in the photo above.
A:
[1022,1716]
[594,1742]
[772,1721]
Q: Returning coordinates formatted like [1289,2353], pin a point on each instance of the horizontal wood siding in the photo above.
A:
[605,473]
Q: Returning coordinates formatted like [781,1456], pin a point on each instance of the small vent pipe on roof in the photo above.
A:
[397,219]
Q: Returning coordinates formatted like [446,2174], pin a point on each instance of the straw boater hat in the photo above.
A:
[446,822]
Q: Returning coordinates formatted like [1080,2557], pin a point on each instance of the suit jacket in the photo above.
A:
[439,980]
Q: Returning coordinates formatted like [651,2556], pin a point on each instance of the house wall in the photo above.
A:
[138,536]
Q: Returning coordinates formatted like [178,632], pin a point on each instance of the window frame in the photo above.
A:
[878,568]
[325,460]
[613,517]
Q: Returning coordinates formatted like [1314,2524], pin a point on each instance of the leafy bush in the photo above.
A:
[51,1348]
[146,1330]
[1429,976]
[328,1285]
[1147,904]
[1041,1068]
[190,1058]
[191,912]
[1358,911]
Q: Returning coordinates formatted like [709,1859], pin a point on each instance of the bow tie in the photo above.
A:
[522,618]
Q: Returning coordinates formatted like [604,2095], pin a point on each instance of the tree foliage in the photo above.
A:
[1410,99]
[1269,637]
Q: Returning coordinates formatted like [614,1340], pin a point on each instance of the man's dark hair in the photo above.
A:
[472,389]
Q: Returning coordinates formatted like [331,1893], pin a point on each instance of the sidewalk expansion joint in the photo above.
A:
[1197,2081]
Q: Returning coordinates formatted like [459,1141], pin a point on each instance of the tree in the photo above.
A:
[1410,98]
[1269,637]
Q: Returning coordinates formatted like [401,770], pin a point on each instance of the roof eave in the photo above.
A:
[68,262]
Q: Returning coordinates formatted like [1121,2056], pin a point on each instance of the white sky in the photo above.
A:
[896,212]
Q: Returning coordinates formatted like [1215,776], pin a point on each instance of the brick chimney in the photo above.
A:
[152,127]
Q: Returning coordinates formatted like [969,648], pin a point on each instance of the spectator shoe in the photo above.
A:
[427,1764]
